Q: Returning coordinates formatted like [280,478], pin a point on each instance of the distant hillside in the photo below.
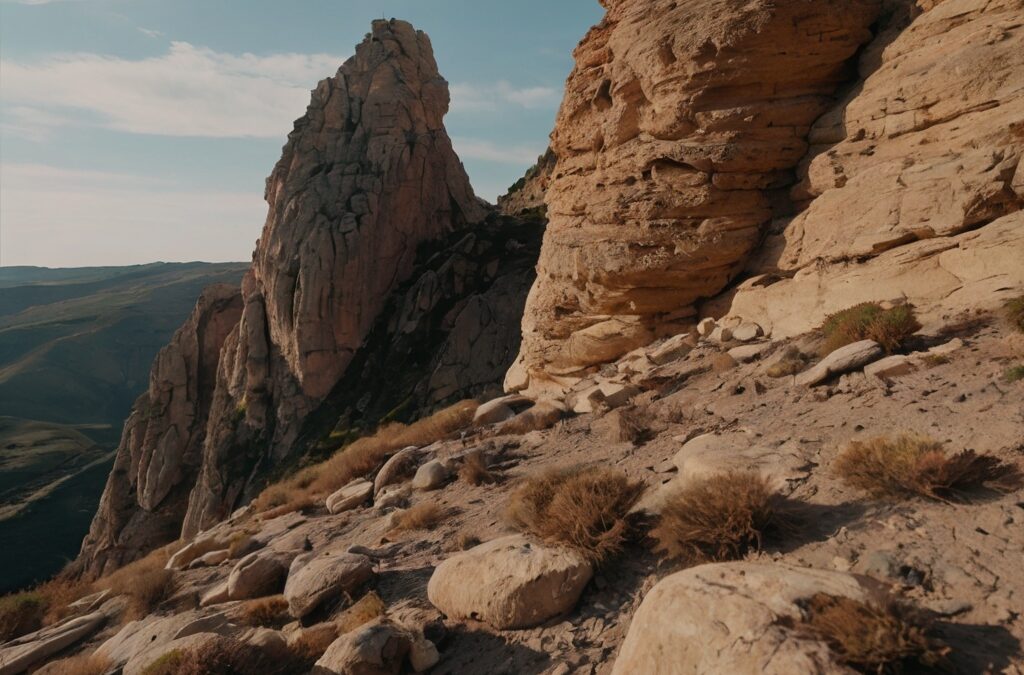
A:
[76,345]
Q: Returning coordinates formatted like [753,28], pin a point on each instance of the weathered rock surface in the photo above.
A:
[349,497]
[430,476]
[723,618]
[18,655]
[528,193]
[842,360]
[913,186]
[161,450]
[515,583]
[377,648]
[679,123]
[258,574]
[315,577]
[710,454]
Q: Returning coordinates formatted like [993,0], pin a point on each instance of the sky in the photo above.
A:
[133,131]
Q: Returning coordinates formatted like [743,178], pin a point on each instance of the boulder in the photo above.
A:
[745,353]
[376,648]
[676,347]
[215,595]
[392,496]
[543,415]
[724,618]
[140,663]
[423,655]
[257,574]
[430,476]
[747,331]
[842,360]
[500,409]
[890,367]
[784,466]
[399,466]
[705,326]
[512,583]
[153,632]
[20,654]
[210,559]
[720,334]
[316,577]
[349,497]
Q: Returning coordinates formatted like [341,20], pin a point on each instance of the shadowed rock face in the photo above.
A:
[161,450]
[681,123]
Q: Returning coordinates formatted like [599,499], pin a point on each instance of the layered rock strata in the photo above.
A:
[680,128]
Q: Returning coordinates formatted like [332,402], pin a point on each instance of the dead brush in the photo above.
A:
[422,516]
[868,321]
[82,664]
[1014,311]
[910,465]
[268,612]
[886,639]
[218,656]
[309,486]
[722,517]
[310,645]
[145,582]
[791,362]
[583,508]
[363,611]
[474,469]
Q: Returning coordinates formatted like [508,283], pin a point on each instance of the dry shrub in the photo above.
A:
[46,604]
[1014,310]
[474,469]
[583,508]
[914,465]
[368,608]
[463,541]
[791,362]
[868,321]
[422,516]
[83,664]
[145,582]
[217,656]
[722,517]
[1014,374]
[269,612]
[311,645]
[310,485]
[873,638]
[935,360]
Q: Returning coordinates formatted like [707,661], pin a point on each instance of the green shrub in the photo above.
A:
[1015,373]
[1015,312]
[868,321]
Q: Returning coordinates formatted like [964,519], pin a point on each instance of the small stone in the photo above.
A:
[671,349]
[706,326]
[720,334]
[430,476]
[747,332]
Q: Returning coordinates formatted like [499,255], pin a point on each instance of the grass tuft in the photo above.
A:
[910,465]
[82,664]
[722,517]
[269,612]
[582,508]
[791,362]
[868,321]
[883,639]
[145,582]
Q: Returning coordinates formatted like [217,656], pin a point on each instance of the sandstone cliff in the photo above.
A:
[677,137]
[527,194]
[161,450]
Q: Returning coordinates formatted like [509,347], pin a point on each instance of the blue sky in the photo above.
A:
[142,130]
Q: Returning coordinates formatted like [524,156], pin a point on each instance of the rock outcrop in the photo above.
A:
[527,194]
[678,134]
[367,176]
[914,185]
[162,447]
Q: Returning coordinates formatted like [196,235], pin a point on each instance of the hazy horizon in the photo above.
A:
[134,131]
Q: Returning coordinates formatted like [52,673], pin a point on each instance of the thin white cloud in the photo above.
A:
[189,91]
[65,217]
[468,98]
[149,32]
[476,148]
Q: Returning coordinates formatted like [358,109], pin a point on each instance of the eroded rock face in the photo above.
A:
[914,184]
[161,450]
[367,175]
[680,127]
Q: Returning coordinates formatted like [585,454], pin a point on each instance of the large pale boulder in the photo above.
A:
[19,654]
[376,648]
[724,618]
[430,476]
[842,360]
[316,577]
[785,466]
[354,494]
[509,583]
[678,123]
[257,574]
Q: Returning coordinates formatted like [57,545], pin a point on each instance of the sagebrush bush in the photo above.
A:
[868,321]
[722,517]
[1014,310]
[910,465]
[884,638]
[268,612]
[309,486]
[583,508]
[82,664]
